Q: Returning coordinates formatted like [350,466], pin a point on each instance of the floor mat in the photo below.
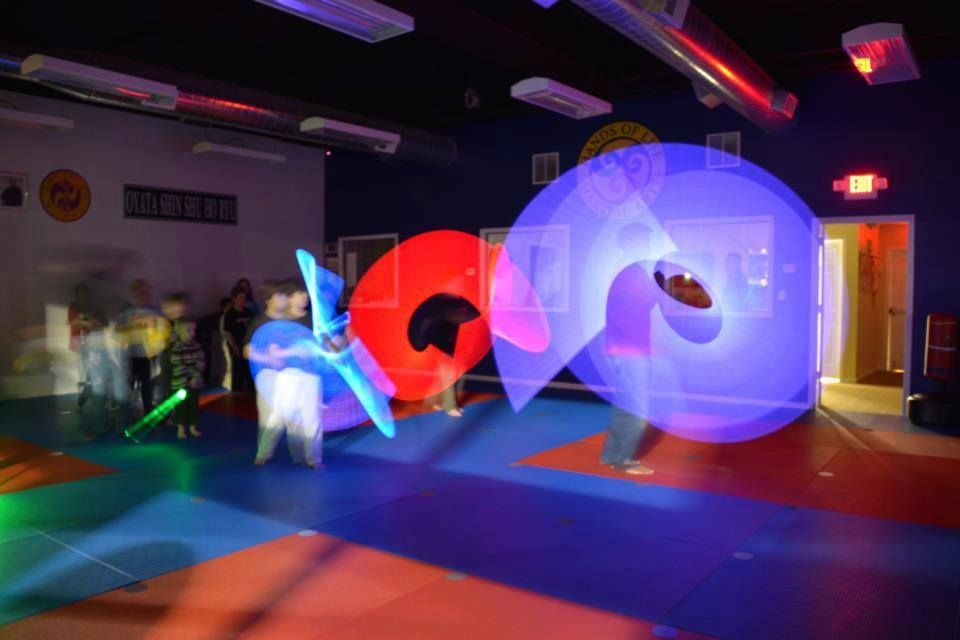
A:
[921,489]
[321,586]
[607,563]
[880,474]
[813,574]
[25,466]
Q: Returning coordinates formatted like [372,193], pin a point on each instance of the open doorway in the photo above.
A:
[868,276]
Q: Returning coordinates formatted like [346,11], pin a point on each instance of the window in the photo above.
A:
[723,150]
[546,167]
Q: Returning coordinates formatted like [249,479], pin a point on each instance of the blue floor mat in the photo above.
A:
[445,491]
[146,504]
[205,529]
[37,574]
[90,500]
[709,519]
[303,498]
[487,439]
[818,574]
[610,563]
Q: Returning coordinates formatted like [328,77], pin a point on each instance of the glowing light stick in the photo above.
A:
[147,423]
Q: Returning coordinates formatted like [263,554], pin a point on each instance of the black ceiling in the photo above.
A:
[420,78]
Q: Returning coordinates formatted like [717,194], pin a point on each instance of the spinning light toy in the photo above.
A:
[354,386]
[719,294]
[455,295]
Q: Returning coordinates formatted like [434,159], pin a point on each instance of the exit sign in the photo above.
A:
[860,186]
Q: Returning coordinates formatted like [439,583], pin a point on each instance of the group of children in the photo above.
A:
[155,353]
[289,395]
[158,353]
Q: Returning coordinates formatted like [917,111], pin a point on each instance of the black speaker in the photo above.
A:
[933,410]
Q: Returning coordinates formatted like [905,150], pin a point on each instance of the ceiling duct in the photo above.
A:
[691,43]
[219,104]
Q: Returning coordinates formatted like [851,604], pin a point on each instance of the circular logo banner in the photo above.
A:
[65,195]
[619,162]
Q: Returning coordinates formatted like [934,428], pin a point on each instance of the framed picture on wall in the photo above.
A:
[355,255]
[542,253]
[14,191]
[735,255]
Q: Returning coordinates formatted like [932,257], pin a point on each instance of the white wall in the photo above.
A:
[280,209]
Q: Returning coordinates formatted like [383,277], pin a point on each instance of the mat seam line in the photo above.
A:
[85,555]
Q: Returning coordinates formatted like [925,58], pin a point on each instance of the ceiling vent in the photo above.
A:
[881,53]
[384,142]
[210,148]
[26,120]
[558,97]
[80,76]
[363,19]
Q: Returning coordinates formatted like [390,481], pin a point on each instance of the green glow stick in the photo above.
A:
[152,419]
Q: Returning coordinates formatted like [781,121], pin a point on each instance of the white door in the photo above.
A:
[832,331]
[896,307]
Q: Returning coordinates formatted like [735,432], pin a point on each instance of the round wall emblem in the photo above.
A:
[620,161]
[65,195]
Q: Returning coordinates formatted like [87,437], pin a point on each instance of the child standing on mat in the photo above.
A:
[269,382]
[304,389]
[186,365]
[629,305]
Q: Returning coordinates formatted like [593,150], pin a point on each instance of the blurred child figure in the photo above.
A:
[226,380]
[143,334]
[186,364]
[289,392]
[270,424]
[85,320]
[236,323]
[304,389]
[210,338]
[88,339]
[251,304]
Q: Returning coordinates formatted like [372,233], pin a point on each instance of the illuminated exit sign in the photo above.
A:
[863,65]
[860,186]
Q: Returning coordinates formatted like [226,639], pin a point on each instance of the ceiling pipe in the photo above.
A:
[691,43]
[254,116]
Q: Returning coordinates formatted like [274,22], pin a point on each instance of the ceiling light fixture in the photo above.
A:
[27,120]
[366,20]
[204,148]
[558,97]
[80,76]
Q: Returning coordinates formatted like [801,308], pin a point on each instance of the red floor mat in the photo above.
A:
[879,474]
[895,486]
[25,466]
[321,586]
